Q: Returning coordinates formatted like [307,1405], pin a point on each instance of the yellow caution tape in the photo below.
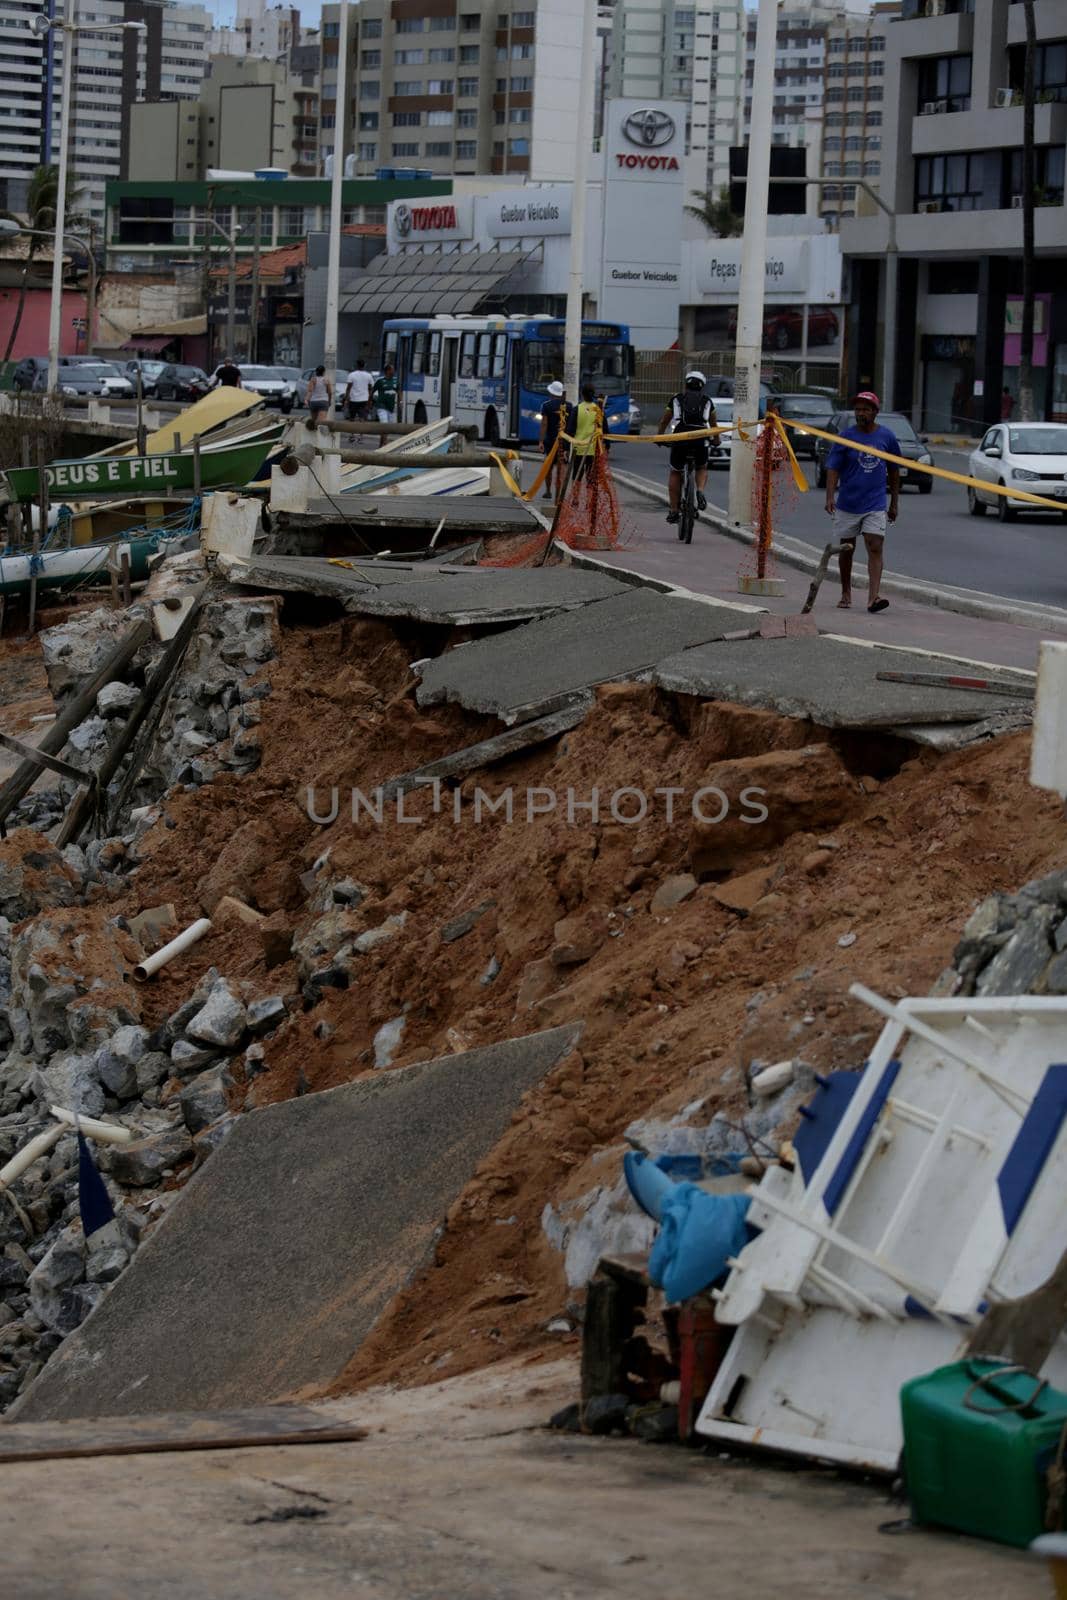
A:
[505,474]
[933,472]
[546,468]
[799,476]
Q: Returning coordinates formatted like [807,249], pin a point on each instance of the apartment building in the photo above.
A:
[22,84]
[110,72]
[951,172]
[455,87]
[854,108]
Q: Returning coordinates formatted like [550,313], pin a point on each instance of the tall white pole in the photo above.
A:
[66,111]
[572,337]
[749,350]
[333,255]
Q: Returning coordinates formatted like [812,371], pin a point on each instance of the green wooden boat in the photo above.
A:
[95,477]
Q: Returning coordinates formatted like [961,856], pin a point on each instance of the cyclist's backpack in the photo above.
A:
[692,406]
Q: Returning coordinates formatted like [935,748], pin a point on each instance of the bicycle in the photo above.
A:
[687,503]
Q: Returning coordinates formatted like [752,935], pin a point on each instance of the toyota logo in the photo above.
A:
[648,128]
[402,220]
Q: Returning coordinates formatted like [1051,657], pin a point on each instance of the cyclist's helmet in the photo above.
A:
[695,380]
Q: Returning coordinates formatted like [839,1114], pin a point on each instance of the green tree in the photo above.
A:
[715,212]
[40,214]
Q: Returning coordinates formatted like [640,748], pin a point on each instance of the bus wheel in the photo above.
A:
[492,428]
[419,416]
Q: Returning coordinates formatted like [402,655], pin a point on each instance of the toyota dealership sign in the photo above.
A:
[430,221]
[644,192]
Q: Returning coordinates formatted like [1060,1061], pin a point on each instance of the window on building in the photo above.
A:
[330,30]
[466,149]
[876,42]
[442,24]
[370,58]
[439,119]
[835,95]
[521,85]
[1048,175]
[406,86]
[525,19]
[872,169]
[407,58]
[290,220]
[372,28]
[368,121]
[874,119]
[836,69]
[442,55]
[522,52]
[439,147]
[500,116]
[440,86]
[370,89]
[409,24]
[407,119]
[367,152]
[518,147]
[853,169]
[522,115]
[466,119]
[955,182]
[470,21]
[945,82]
[876,69]
[405,149]
[466,87]
[328,121]
[469,53]
[853,142]
[831,142]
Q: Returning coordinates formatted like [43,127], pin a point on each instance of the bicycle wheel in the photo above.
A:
[689,507]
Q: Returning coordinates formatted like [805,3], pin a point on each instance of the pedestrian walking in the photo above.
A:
[383,395]
[319,395]
[587,431]
[229,375]
[862,495]
[358,392]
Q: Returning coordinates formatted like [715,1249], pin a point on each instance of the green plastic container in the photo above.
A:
[979,1438]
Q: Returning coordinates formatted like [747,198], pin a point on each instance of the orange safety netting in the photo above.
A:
[774,493]
[586,515]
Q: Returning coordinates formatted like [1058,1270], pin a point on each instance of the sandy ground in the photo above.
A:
[459,1493]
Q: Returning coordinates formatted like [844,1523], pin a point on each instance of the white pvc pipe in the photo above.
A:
[29,1153]
[102,1132]
[150,964]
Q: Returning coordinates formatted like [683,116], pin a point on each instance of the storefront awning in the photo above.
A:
[417,285]
[149,344]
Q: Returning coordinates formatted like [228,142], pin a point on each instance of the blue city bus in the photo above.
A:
[493,372]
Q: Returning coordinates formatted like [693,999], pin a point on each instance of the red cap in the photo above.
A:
[871,399]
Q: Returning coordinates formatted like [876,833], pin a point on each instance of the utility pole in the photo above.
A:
[1026,342]
[572,337]
[253,309]
[748,355]
[66,112]
[333,254]
[231,299]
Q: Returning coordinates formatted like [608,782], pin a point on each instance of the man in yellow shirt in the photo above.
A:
[588,428]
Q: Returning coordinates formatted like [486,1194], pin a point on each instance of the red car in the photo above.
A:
[783,326]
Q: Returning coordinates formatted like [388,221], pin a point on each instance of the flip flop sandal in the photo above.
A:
[879,605]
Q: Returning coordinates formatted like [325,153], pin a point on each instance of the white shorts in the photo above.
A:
[383,416]
[848,525]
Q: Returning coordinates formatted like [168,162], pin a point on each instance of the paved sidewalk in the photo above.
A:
[710,566]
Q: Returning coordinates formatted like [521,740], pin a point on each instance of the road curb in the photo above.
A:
[965,602]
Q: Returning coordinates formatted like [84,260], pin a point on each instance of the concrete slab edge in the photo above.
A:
[638,580]
[966,602]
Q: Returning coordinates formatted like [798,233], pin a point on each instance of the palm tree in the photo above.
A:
[717,215]
[1026,342]
[40,214]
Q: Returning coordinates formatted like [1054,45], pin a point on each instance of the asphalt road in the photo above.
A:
[934,537]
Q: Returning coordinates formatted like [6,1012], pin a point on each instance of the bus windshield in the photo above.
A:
[603,365]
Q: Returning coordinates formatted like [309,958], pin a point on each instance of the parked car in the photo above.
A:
[1032,455]
[634,423]
[720,386]
[76,376]
[720,446]
[182,383]
[273,383]
[783,326]
[912,445]
[150,371]
[814,408]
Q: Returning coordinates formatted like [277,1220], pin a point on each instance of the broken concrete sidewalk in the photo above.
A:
[830,681]
[282,1252]
[527,670]
[456,596]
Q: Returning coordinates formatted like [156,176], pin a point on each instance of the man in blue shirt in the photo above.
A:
[856,497]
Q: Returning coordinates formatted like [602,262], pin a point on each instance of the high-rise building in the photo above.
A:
[663,51]
[854,107]
[22,82]
[112,70]
[799,79]
[455,86]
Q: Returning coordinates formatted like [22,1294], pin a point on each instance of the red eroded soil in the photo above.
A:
[899,861]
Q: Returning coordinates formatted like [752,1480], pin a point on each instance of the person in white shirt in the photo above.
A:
[357,392]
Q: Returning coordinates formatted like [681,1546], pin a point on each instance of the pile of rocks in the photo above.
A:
[178,1089]
[1013,943]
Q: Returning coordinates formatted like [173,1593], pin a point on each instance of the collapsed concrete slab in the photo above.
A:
[527,670]
[487,752]
[473,514]
[829,681]
[431,593]
[282,1252]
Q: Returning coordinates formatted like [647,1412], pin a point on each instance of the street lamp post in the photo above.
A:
[41,25]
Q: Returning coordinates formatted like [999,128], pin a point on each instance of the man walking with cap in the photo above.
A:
[555,415]
[856,484]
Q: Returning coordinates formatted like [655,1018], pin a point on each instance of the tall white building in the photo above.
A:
[21,89]
[113,70]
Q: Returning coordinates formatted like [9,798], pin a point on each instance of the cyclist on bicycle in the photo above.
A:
[685,413]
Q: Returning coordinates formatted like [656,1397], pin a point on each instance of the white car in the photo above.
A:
[720,445]
[1031,456]
[273,383]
